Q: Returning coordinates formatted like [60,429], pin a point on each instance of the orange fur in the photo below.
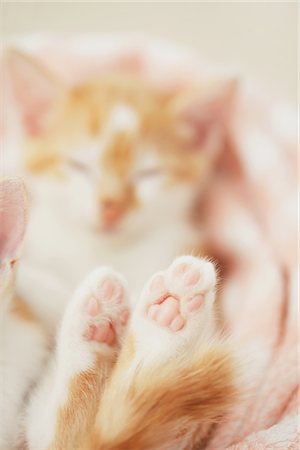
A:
[41,157]
[22,310]
[76,418]
[151,407]
[119,155]
[157,405]
[175,124]
[116,189]
[82,112]
[127,354]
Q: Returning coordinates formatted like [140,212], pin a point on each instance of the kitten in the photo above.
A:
[173,379]
[162,385]
[113,167]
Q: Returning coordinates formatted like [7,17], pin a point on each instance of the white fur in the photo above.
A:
[155,343]
[123,118]
[23,351]
[61,247]
[63,244]
[66,248]
[74,355]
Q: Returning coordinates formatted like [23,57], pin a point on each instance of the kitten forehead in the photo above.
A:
[123,118]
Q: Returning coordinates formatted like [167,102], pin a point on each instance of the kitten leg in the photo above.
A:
[175,377]
[90,336]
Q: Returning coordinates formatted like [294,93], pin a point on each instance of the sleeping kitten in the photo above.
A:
[173,379]
[174,376]
[113,168]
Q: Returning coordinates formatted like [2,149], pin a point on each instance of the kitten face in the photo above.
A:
[115,147]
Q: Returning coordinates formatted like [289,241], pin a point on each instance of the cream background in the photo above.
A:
[257,37]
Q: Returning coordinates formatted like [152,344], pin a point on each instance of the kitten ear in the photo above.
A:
[200,111]
[13,219]
[36,90]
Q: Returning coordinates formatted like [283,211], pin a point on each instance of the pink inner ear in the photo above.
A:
[201,119]
[35,90]
[202,114]
[13,217]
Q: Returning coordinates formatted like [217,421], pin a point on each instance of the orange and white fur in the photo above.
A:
[113,167]
[159,380]
[112,173]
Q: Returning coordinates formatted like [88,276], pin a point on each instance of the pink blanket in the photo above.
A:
[249,212]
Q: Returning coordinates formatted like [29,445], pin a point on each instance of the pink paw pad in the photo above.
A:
[92,307]
[167,314]
[185,271]
[181,295]
[109,289]
[191,277]
[105,308]
[195,303]
[179,269]
[101,333]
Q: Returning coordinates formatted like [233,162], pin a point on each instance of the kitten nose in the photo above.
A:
[111,213]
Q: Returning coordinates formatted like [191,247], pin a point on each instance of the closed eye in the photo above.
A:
[78,165]
[147,173]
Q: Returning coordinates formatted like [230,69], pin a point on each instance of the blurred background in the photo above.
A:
[259,38]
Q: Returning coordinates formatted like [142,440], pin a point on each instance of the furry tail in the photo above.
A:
[161,407]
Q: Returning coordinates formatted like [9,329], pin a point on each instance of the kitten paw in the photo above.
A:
[176,309]
[96,317]
[105,307]
[184,290]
